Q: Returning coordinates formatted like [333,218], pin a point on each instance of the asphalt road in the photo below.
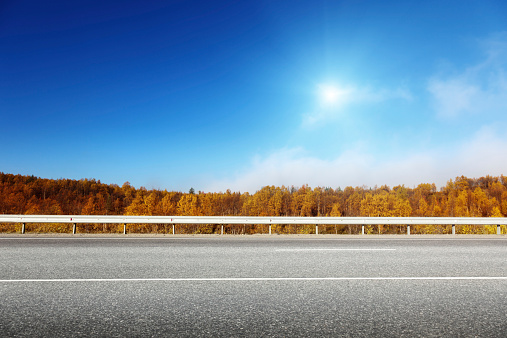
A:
[253,286]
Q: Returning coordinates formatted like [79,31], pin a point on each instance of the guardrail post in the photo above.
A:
[498,230]
[454,229]
[270,229]
[73,228]
[23,228]
[222,230]
[408,229]
[124,228]
[174,229]
[316,229]
[362,229]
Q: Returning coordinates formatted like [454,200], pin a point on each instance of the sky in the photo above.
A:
[237,95]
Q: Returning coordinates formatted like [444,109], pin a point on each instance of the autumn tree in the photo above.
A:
[482,197]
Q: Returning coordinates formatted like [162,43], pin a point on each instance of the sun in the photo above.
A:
[331,95]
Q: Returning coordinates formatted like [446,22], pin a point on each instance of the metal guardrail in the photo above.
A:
[89,219]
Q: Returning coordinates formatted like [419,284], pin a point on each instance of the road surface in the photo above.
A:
[253,286]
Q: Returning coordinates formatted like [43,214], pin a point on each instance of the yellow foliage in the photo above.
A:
[335,211]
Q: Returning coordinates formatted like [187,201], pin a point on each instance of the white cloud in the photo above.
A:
[480,89]
[483,155]
[486,151]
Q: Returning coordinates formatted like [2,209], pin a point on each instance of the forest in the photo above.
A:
[461,197]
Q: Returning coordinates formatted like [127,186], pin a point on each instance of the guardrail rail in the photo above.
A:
[223,220]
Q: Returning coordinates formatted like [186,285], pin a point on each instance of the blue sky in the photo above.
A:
[237,95]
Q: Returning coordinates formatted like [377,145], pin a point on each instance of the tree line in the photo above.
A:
[461,197]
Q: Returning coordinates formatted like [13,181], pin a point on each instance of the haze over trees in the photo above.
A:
[461,197]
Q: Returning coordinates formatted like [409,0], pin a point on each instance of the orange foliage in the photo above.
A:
[482,197]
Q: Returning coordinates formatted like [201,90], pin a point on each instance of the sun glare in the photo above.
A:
[330,95]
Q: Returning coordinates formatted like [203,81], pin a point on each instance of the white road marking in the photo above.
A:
[245,279]
[336,249]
